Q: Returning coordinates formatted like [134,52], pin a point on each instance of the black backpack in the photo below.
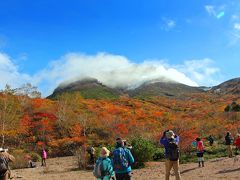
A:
[173,153]
[3,165]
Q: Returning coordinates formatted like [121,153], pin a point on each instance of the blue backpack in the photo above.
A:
[98,168]
[120,160]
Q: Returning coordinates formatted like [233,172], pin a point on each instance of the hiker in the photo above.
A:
[91,152]
[170,142]
[122,160]
[31,164]
[200,152]
[210,140]
[228,142]
[103,169]
[237,143]
[44,157]
[5,158]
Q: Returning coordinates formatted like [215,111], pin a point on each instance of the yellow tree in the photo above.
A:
[10,112]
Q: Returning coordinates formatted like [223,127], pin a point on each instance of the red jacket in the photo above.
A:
[237,142]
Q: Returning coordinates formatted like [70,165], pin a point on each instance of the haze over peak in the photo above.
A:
[115,71]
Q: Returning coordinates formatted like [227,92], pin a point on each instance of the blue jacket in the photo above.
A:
[130,159]
[165,143]
[107,167]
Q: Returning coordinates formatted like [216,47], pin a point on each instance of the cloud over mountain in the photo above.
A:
[111,70]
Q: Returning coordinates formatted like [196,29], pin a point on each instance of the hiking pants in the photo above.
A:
[123,176]
[5,176]
[172,164]
[230,152]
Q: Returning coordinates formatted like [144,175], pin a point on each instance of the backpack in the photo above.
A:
[173,148]
[120,159]
[3,165]
[98,170]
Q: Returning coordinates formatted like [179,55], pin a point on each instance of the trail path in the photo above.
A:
[65,169]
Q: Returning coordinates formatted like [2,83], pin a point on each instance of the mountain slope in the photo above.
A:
[231,86]
[88,88]
[163,89]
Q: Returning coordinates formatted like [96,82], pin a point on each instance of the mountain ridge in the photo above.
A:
[94,89]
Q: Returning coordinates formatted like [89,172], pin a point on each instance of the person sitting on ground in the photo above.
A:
[103,169]
[5,158]
[122,160]
[237,143]
[170,142]
[200,152]
[31,164]
[228,142]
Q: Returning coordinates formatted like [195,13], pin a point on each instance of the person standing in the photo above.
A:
[91,152]
[170,142]
[5,158]
[228,142]
[237,143]
[122,161]
[200,152]
[44,157]
[103,169]
[210,140]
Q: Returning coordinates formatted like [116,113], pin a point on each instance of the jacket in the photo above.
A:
[107,167]
[130,160]
[164,141]
[228,140]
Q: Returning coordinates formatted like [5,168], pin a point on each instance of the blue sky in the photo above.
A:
[196,42]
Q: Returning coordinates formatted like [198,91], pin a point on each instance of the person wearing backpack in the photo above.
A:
[200,152]
[122,160]
[228,142]
[5,158]
[170,142]
[103,169]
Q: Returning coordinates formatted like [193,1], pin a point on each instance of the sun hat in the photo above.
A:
[3,150]
[170,134]
[119,139]
[105,152]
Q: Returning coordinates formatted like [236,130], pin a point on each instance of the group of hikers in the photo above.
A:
[118,163]
[114,164]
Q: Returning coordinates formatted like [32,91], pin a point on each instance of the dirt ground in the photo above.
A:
[65,169]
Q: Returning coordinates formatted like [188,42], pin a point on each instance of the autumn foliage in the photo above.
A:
[71,121]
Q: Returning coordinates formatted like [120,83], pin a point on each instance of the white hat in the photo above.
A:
[3,150]
[170,134]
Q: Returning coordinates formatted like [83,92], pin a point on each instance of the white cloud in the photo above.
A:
[168,24]
[171,24]
[111,70]
[237,26]
[217,12]
[211,10]
[201,71]
[9,73]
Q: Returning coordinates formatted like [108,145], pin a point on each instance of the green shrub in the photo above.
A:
[35,156]
[158,154]
[143,150]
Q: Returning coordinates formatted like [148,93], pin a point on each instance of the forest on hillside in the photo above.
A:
[70,121]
